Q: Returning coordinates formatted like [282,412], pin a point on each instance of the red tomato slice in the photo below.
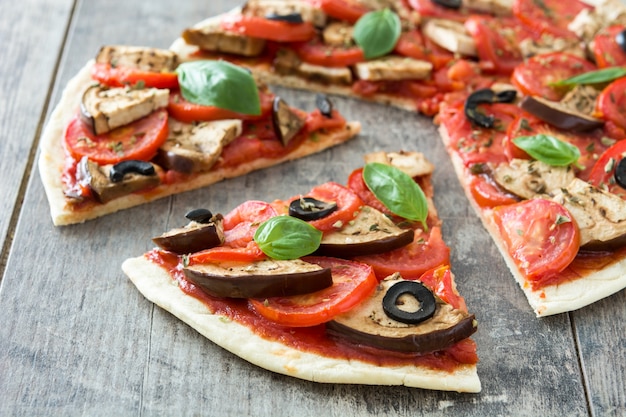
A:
[187,112]
[430,9]
[606,51]
[347,10]
[603,172]
[273,30]
[317,121]
[611,104]
[497,42]
[551,16]
[348,205]
[357,184]
[123,76]
[249,253]
[241,223]
[487,193]
[138,140]
[439,280]
[316,53]
[535,76]
[352,283]
[427,251]
[538,237]
[411,44]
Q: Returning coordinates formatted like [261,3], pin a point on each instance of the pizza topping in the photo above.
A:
[529,179]
[271,30]
[495,7]
[377,32]
[609,171]
[394,68]
[287,62]
[142,58]
[370,324]
[287,123]
[259,279]
[414,164]
[450,35]
[451,4]
[289,18]
[286,237]
[204,233]
[107,183]
[548,149]
[620,39]
[210,36]
[620,173]
[478,97]
[309,208]
[324,105]
[105,109]
[292,11]
[338,34]
[197,147]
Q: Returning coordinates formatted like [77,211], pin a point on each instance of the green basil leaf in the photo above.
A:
[594,77]
[397,191]
[219,84]
[377,32]
[548,149]
[286,237]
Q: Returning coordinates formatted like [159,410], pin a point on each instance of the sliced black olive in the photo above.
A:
[200,215]
[324,105]
[620,39]
[620,173]
[127,167]
[483,96]
[421,294]
[289,18]
[308,208]
[450,4]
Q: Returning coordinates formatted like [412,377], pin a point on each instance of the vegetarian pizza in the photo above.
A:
[528,95]
[135,125]
[341,284]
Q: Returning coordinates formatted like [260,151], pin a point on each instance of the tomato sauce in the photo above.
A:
[313,339]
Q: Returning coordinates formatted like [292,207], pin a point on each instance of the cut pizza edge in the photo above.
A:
[550,299]
[155,283]
[52,158]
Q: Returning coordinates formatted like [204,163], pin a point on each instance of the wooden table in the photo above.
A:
[78,339]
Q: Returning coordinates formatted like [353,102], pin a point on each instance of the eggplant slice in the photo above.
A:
[193,237]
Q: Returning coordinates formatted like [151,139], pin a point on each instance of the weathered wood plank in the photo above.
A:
[32,33]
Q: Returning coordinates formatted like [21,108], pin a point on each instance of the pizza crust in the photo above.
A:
[52,157]
[156,285]
[553,299]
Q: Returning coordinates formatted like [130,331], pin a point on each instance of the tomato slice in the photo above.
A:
[317,121]
[352,283]
[249,253]
[550,16]
[427,251]
[273,30]
[138,140]
[123,76]
[603,172]
[497,42]
[606,51]
[241,223]
[430,9]
[317,53]
[439,280]
[348,205]
[540,235]
[347,10]
[535,76]
[188,112]
[487,193]
[611,104]
[357,184]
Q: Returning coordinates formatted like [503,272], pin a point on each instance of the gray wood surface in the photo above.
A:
[76,338]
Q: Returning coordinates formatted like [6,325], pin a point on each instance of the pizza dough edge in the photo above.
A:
[156,285]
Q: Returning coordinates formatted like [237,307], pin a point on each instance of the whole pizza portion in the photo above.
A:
[528,94]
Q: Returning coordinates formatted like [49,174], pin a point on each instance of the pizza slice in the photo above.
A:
[343,284]
[135,125]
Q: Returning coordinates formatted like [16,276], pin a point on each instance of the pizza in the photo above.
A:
[135,124]
[527,95]
[340,284]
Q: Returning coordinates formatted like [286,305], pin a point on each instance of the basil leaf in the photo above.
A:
[548,149]
[594,77]
[219,84]
[377,32]
[397,191]
[286,237]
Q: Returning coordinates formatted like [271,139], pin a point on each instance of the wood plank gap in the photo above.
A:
[30,163]
[581,365]
[146,374]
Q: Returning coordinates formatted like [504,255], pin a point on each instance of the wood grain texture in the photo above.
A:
[78,339]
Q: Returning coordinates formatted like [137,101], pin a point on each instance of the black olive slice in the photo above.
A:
[119,170]
[324,105]
[289,18]
[421,294]
[308,208]
[482,96]
[620,39]
[450,4]
[620,173]
[200,215]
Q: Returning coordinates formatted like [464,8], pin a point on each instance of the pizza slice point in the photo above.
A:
[253,290]
[135,125]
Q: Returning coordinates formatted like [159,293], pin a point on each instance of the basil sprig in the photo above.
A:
[286,237]
[219,84]
[594,77]
[548,149]
[377,32]
[397,191]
